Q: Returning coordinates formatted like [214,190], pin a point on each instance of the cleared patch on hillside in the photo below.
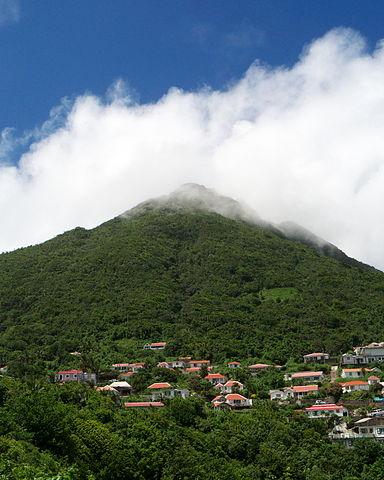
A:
[278,294]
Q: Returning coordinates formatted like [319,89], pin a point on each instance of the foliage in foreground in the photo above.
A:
[72,432]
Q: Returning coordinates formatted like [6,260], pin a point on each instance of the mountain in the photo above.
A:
[195,269]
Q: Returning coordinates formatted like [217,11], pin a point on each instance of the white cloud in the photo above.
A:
[9,12]
[304,143]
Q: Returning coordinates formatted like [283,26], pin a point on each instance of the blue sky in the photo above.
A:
[292,124]
[50,49]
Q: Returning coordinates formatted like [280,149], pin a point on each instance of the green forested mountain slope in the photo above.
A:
[203,282]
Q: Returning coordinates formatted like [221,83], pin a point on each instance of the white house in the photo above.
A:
[316,357]
[234,365]
[155,346]
[233,400]
[122,387]
[232,386]
[215,378]
[354,385]
[128,367]
[121,367]
[373,380]
[197,363]
[352,373]
[301,391]
[373,352]
[164,390]
[65,376]
[369,427]
[258,367]
[282,395]
[325,410]
[305,376]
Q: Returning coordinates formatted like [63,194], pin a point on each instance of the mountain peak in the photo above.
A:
[196,197]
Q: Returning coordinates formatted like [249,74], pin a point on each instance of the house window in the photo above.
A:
[380,431]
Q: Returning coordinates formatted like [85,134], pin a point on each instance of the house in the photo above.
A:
[65,376]
[317,357]
[165,390]
[369,427]
[215,378]
[128,367]
[237,400]
[135,367]
[282,395]
[373,352]
[107,389]
[197,363]
[305,376]
[233,400]
[325,410]
[354,385]
[143,404]
[121,367]
[155,346]
[232,386]
[301,391]
[172,364]
[373,380]
[258,367]
[163,365]
[352,373]
[177,363]
[234,365]
[123,387]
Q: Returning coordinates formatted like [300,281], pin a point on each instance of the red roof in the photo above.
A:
[192,369]
[121,365]
[305,388]
[69,372]
[160,385]
[143,404]
[235,396]
[328,406]
[373,377]
[234,363]
[260,365]
[198,361]
[218,398]
[158,344]
[214,375]
[352,369]
[306,374]
[232,383]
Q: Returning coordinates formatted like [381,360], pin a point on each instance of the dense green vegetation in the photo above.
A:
[211,287]
[70,432]
[198,280]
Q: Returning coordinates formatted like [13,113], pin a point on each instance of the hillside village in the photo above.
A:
[350,389]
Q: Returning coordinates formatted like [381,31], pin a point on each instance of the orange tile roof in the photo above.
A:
[214,375]
[306,374]
[160,385]
[260,365]
[235,396]
[305,388]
